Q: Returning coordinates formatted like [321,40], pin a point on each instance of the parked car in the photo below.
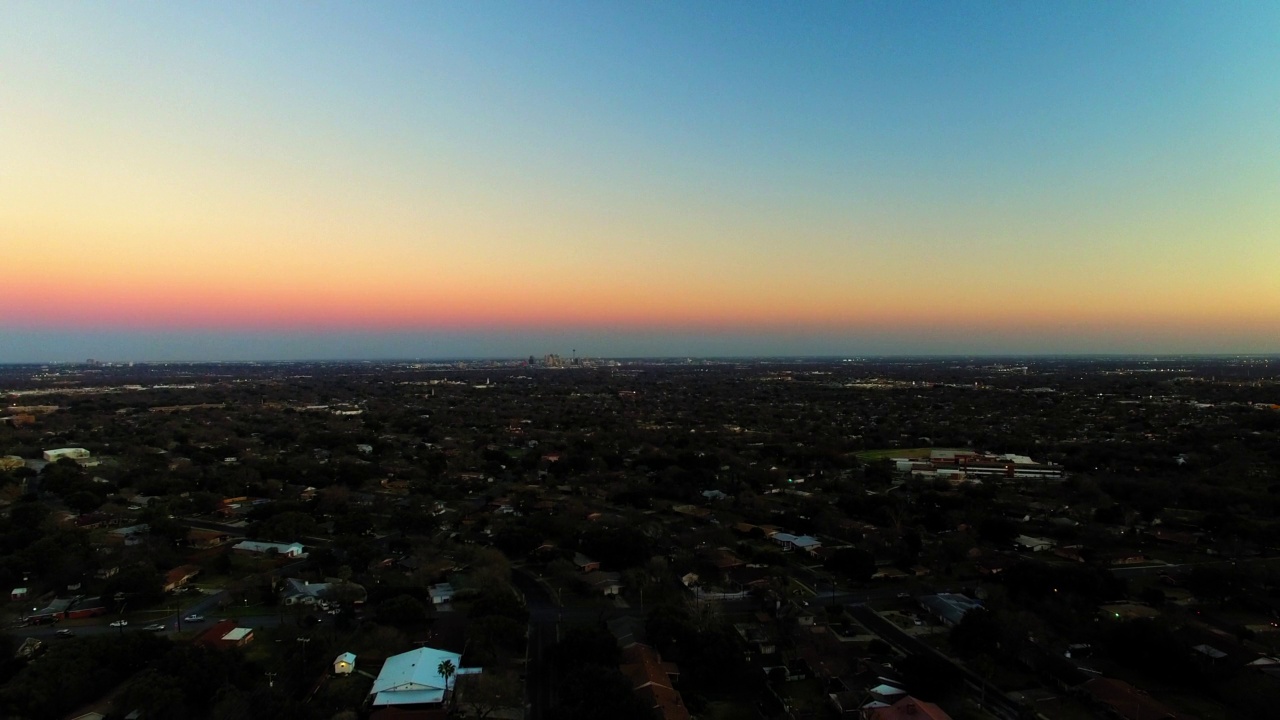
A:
[64,633]
[120,623]
[156,627]
[194,618]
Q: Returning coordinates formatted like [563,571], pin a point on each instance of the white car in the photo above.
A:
[156,627]
[120,623]
[194,618]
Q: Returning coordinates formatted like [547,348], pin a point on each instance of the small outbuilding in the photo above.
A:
[344,664]
[441,593]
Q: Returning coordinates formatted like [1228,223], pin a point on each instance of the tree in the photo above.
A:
[157,695]
[446,670]
[403,610]
[977,633]
[596,691]
[856,564]
[997,530]
[493,635]
[484,694]
[287,526]
[84,501]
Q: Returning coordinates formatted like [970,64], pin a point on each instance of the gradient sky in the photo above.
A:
[441,179]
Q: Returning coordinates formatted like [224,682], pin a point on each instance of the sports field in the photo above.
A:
[893,452]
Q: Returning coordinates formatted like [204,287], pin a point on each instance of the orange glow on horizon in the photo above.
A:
[317,306]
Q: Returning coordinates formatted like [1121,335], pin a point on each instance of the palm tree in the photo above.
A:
[446,670]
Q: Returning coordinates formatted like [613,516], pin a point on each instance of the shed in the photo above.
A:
[344,664]
[441,593]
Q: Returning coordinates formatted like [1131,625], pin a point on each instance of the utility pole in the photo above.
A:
[271,679]
[559,613]
[304,641]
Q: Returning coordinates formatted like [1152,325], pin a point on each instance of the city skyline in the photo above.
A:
[335,181]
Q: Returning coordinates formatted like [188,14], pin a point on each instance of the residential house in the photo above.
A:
[748,576]
[206,539]
[1034,544]
[296,591]
[628,630]
[584,563]
[723,559]
[93,520]
[796,542]
[303,592]
[846,703]
[948,608]
[253,547]
[653,681]
[213,635]
[129,536]
[603,582]
[907,708]
[759,639]
[1124,557]
[413,679]
[180,576]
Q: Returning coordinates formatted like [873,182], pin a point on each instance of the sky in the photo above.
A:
[339,180]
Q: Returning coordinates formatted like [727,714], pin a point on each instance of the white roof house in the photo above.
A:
[1034,544]
[71,452]
[344,664]
[413,678]
[800,542]
[884,690]
[286,549]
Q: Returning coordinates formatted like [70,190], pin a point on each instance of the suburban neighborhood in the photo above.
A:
[551,538]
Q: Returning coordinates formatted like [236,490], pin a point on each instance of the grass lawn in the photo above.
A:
[804,695]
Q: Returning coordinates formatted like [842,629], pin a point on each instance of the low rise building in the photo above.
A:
[254,547]
[68,453]
[413,679]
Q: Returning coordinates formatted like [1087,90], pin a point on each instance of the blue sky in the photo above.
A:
[643,178]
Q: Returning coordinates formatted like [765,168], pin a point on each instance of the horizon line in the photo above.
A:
[1150,356]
